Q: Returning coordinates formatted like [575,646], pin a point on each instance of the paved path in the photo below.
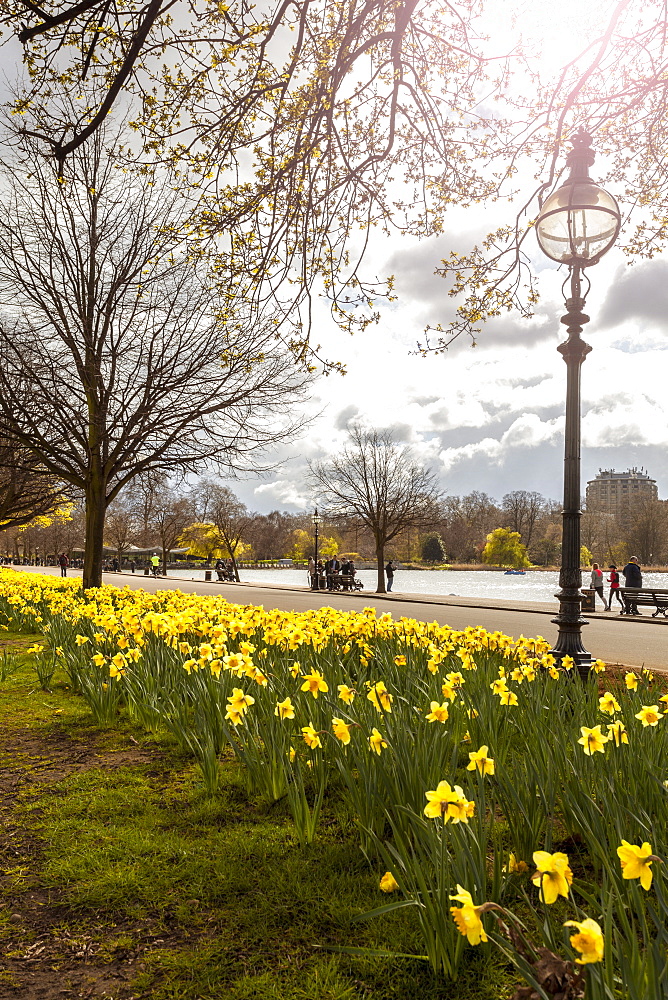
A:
[635,642]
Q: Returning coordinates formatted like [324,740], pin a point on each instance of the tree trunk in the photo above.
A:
[380,554]
[96,508]
[164,560]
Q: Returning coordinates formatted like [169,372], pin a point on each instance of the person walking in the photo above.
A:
[389,570]
[613,580]
[596,584]
[632,578]
[63,562]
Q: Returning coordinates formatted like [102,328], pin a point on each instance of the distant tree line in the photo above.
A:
[208,518]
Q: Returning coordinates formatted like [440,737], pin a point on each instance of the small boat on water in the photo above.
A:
[515,572]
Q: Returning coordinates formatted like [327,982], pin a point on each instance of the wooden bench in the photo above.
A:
[649,597]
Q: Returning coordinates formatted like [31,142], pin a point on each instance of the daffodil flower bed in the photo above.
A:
[467,758]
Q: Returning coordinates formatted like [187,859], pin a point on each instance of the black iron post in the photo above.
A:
[577,225]
[316,575]
[569,620]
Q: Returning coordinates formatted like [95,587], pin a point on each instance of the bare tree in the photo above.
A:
[171,514]
[521,509]
[220,507]
[270,533]
[133,364]
[26,492]
[466,522]
[378,482]
[120,525]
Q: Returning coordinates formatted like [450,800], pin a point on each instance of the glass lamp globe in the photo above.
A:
[578,223]
[316,518]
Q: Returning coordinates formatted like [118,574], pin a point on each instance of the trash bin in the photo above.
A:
[587,599]
[147,572]
[207,575]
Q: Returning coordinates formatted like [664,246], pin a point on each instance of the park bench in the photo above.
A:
[649,597]
[342,581]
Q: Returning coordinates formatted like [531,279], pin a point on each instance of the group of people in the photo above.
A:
[225,570]
[332,574]
[632,578]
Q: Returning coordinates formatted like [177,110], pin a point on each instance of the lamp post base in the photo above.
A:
[569,622]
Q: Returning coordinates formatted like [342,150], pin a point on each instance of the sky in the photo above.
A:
[490,418]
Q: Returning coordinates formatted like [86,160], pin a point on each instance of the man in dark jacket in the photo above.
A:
[632,578]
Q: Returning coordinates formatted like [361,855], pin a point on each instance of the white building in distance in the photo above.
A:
[613,492]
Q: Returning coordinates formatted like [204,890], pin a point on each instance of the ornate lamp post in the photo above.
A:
[578,224]
[316,518]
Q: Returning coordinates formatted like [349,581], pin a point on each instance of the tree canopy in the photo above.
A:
[306,122]
[504,548]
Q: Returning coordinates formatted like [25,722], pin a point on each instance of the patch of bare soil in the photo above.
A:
[49,952]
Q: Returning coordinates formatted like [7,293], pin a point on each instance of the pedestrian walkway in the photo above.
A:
[617,639]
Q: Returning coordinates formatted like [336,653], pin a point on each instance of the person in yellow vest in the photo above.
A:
[155,563]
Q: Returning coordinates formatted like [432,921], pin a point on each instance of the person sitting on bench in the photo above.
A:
[633,578]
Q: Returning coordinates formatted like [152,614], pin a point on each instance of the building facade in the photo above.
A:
[615,492]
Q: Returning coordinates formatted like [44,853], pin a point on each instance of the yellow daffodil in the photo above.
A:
[341,730]
[346,694]
[376,742]
[449,802]
[480,761]
[380,697]
[598,666]
[617,732]
[438,713]
[388,883]
[508,698]
[400,660]
[448,691]
[567,662]
[592,740]
[81,639]
[553,875]
[649,715]
[636,862]
[514,866]
[467,917]
[608,703]
[311,737]
[234,716]
[285,709]
[588,940]
[631,681]
[314,683]
[240,702]
[99,659]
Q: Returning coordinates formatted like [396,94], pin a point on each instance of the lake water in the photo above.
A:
[534,586]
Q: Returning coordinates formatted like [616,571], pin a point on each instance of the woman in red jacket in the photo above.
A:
[613,580]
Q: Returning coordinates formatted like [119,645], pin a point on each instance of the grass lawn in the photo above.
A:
[122,879]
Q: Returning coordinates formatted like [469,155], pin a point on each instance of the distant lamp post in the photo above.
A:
[317,519]
[577,225]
